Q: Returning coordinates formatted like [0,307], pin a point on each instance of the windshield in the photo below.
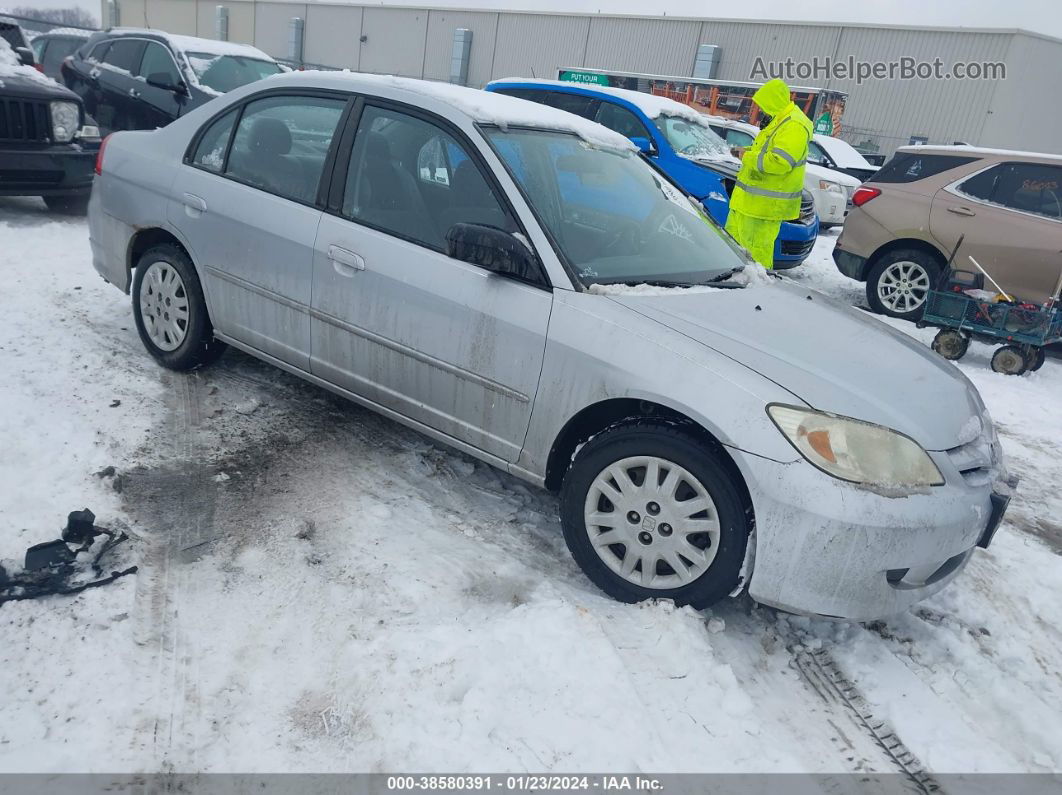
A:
[614,218]
[692,138]
[226,72]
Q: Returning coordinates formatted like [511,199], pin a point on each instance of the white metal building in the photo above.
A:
[421,42]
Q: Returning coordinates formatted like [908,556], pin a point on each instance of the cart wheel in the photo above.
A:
[951,344]
[1009,360]
[1035,359]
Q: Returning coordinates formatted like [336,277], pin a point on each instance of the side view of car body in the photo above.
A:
[48,143]
[53,47]
[132,79]
[677,139]
[444,256]
[839,155]
[1006,206]
[831,189]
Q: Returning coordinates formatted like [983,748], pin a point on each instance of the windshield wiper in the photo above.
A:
[725,275]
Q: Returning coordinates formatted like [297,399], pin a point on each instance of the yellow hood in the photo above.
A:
[772,97]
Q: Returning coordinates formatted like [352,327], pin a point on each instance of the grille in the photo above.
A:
[24,120]
[797,248]
[807,209]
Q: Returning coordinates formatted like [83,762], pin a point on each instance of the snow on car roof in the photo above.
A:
[12,66]
[980,150]
[845,155]
[482,106]
[196,44]
[649,104]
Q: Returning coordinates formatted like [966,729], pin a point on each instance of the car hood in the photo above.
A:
[830,356]
[821,172]
[34,86]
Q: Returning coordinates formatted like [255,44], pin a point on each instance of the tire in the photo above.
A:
[164,282]
[899,281]
[951,344]
[1036,359]
[1009,360]
[68,205]
[710,559]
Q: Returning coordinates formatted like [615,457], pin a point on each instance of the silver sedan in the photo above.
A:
[520,284]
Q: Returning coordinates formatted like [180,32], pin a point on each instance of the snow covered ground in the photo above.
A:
[323,590]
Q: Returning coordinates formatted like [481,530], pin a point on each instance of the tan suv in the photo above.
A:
[907,219]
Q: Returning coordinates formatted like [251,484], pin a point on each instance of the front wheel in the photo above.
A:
[650,512]
[900,281]
[170,311]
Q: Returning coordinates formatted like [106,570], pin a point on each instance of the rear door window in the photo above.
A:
[99,52]
[573,103]
[1029,187]
[913,166]
[282,142]
[124,54]
[210,152]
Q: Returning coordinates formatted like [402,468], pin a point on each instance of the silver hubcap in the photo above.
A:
[903,286]
[652,522]
[164,306]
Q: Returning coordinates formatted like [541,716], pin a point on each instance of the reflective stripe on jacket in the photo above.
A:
[771,178]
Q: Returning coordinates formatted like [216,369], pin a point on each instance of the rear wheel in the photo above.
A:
[899,282]
[1009,360]
[69,205]
[649,512]
[170,312]
[1036,359]
[951,344]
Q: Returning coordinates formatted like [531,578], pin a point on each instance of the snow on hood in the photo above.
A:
[12,67]
[843,153]
[832,357]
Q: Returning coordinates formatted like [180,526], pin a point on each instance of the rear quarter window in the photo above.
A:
[913,166]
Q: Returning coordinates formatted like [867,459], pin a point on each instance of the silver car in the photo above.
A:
[517,283]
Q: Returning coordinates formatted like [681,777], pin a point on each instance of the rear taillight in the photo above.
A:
[863,194]
[39,68]
[99,155]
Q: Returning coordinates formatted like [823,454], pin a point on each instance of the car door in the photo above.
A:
[82,75]
[396,320]
[1011,217]
[245,203]
[118,85]
[158,105]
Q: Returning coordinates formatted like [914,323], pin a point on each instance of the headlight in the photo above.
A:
[65,117]
[832,187]
[856,451]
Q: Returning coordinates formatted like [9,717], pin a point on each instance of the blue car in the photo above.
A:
[681,145]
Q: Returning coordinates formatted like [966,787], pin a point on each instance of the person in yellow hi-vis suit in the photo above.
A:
[771,178]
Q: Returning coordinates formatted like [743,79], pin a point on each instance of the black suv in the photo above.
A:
[143,79]
[47,144]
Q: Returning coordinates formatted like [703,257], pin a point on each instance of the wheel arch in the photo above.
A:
[148,237]
[902,243]
[613,412]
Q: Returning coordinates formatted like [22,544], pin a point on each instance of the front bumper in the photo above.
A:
[57,170]
[829,548]
[795,242]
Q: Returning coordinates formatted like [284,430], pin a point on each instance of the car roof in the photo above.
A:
[651,105]
[479,106]
[963,149]
[192,43]
[65,33]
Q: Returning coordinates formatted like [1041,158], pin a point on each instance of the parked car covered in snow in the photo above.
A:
[832,190]
[131,79]
[839,155]
[47,142]
[52,48]
[446,257]
[678,140]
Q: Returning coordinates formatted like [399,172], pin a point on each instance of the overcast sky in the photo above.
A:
[1044,16]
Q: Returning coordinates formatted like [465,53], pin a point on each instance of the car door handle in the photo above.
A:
[94,74]
[961,211]
[134,93]
[194,205]
[346,263]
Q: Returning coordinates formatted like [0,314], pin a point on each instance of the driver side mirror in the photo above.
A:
[164,81]
[645,146]
[25,56]
[492,249]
